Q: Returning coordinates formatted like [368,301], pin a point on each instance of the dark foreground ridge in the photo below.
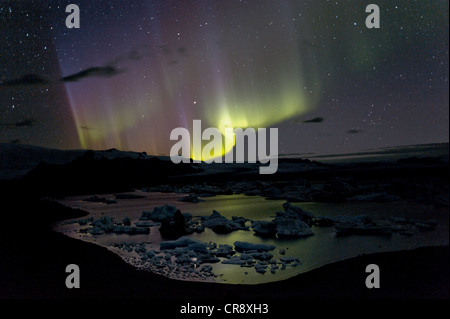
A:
[33,260]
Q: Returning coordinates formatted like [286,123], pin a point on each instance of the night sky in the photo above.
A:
[135,70]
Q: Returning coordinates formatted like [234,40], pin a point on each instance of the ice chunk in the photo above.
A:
[182,242]
[162,213]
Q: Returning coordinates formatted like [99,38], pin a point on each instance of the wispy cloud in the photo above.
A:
[25,123]
[26,80]
[314,120]
[99,71]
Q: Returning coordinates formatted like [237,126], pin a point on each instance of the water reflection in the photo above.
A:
[314,251]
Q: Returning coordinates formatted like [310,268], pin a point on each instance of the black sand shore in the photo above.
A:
[33,260]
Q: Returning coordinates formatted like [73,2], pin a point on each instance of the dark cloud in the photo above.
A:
[354,131]
[314,120]
[24,123]
[182,50]
[110,69]
[27,122]
[105,71]
[35,79]
[27,79]
[86,128]
[99,71]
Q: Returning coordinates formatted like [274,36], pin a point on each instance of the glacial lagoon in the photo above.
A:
[301,254]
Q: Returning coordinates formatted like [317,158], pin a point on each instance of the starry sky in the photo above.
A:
[137,69]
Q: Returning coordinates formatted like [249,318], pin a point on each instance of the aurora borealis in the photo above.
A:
[135,70]
[188,71]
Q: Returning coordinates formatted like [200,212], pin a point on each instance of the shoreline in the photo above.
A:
[316,251]
[32,267]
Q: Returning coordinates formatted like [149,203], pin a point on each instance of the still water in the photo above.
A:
[314,251]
